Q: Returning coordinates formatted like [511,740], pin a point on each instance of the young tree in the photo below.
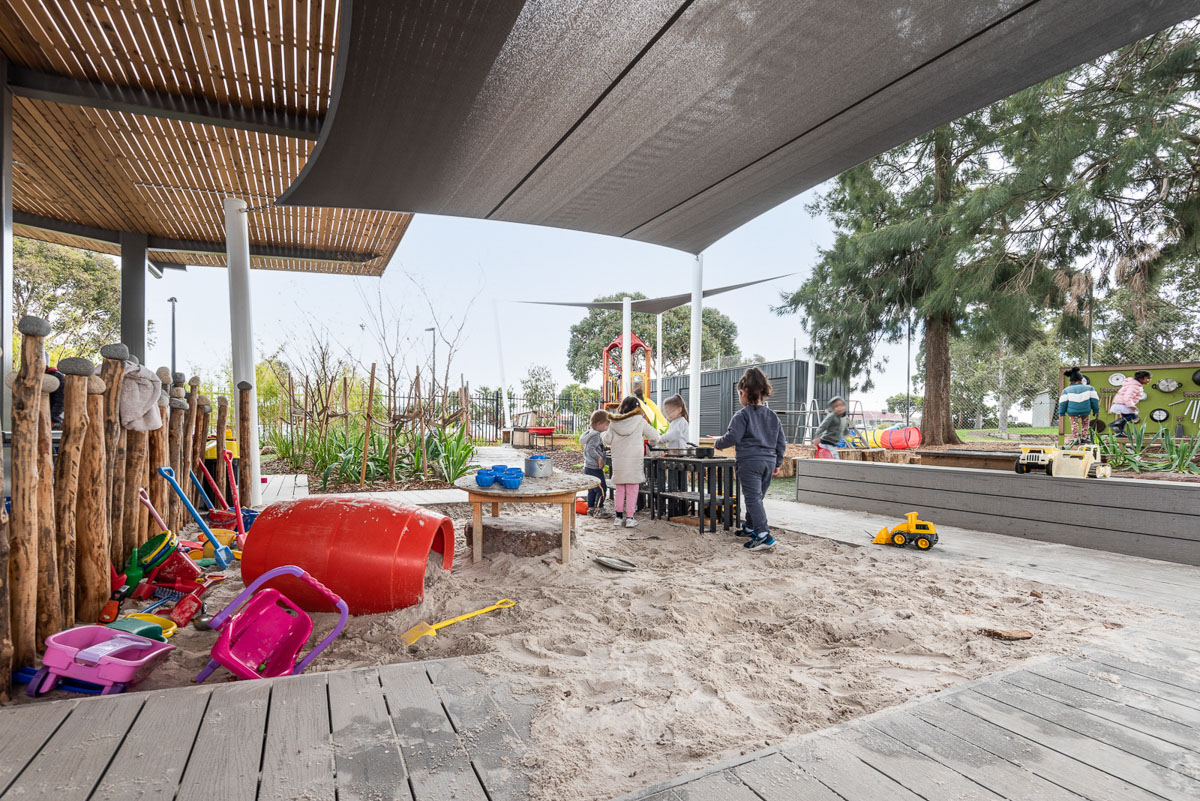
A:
[537,388]
[591,335]
[78,291]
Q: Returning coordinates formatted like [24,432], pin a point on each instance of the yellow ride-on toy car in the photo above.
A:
[912,531]
[1082,461]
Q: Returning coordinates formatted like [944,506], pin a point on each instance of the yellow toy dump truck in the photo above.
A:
[912,531]
[1079,462]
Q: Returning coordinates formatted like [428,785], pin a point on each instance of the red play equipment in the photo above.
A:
[610,369]
[371,552]
[900,438]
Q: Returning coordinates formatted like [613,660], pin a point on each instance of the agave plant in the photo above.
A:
[455,449]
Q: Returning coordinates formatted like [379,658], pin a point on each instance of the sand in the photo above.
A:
[707,650]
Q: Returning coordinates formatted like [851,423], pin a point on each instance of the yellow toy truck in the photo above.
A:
[912,531]
[1082,461]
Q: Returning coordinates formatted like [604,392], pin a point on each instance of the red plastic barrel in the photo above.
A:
[371,552]
[901,438]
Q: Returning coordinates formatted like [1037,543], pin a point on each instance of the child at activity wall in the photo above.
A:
[833,428]
[757,434]
[593,461]
[1079,402]
[678,433]
[1126,400]
[625,437]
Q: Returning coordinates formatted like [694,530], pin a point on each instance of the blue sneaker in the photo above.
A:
[745,531]
[760,542]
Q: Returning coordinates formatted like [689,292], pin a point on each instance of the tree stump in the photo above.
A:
[93,584]
[243,413]
[189,440]
[222,427]
[75,374]
[23,523]
[49,601]
[158,457]
[178,408]
[135,471]
[112,372]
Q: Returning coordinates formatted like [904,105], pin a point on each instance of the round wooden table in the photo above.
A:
[560,488]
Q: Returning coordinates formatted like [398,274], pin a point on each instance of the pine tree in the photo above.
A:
[1012,215]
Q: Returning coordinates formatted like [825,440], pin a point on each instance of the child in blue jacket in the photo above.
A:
[1079,402]
[757,434]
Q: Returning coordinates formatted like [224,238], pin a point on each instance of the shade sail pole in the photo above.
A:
[697,310]
[658,362]
[500,362]
[626,340]
[241,329]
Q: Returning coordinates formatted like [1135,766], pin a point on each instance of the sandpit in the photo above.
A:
[707,650]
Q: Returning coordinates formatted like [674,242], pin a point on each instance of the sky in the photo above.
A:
[457,259]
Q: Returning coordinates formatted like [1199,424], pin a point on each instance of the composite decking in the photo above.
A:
[1101,727]
[430,731]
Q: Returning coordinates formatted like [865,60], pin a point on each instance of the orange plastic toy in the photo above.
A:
[370,552]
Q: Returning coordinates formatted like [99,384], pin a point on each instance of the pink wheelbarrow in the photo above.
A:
[98,655]
[263,638]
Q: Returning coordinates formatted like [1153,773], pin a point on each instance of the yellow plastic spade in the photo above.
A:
[425,630]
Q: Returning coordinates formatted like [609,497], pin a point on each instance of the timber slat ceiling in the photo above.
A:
[121,171]
[669,121]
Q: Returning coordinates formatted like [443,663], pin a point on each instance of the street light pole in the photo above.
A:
[172,301]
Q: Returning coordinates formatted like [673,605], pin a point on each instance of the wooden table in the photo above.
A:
[560,488]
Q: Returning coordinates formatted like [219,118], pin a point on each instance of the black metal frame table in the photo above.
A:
[712,484]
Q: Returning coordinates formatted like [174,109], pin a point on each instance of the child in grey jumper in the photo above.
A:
[593,461]
[757,434]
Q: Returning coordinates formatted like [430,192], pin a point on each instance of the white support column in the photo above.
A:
[500,360]
[811,417]
[237,257]
[658,362]
[626,339]
[697,310]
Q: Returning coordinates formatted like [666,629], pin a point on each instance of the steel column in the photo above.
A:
[697,333]
[626,352]
[133,293]
[237,257]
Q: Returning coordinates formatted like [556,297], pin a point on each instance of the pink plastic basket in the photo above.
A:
[99,655]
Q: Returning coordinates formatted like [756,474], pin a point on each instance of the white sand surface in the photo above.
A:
[707,650]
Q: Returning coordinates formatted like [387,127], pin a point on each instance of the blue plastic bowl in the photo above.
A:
[510,482]
[539,457]
[499,468]
[514,471]
[485,479]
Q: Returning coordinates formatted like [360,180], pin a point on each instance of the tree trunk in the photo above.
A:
[222,425]
[135,468]
[112,371]
[120,552]
[937,424]
[245,491]
[92,585]
[66,486]
[159,457]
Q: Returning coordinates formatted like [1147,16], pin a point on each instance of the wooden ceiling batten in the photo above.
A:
[107,167]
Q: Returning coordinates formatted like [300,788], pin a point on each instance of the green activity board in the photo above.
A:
[1173,394]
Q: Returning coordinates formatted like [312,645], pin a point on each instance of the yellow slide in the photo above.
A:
[656,416]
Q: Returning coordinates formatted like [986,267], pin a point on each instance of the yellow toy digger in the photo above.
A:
[911,532]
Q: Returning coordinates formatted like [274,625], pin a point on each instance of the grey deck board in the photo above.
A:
[1092,677]
[237,713]
[845,774]
[297,754]
[1086,723]
[366,756]
[1159,681]
[775,778]
[24,733]
[167,724]
[723,786]
[981,766]
[1079,746]
[1109,708]
[439,767]
[484,726]
[72,761]
[908,767]
[1089,782]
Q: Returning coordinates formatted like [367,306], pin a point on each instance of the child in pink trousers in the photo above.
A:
[625,438]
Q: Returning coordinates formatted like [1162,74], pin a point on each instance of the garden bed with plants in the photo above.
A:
[1157,456]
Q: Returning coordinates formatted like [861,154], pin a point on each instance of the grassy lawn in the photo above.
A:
[975,435]
[783,489]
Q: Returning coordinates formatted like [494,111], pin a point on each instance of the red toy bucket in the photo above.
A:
[369,551]
[901,438]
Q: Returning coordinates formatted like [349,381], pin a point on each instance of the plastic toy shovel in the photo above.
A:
[223,553]
[425,630]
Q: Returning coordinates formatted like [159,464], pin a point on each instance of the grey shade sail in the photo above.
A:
[668,121]
[653,305]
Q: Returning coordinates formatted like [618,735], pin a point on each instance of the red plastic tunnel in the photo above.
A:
[371,552]
[901,438]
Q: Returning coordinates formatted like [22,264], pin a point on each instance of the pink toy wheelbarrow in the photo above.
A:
[263,638]
[98,655]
